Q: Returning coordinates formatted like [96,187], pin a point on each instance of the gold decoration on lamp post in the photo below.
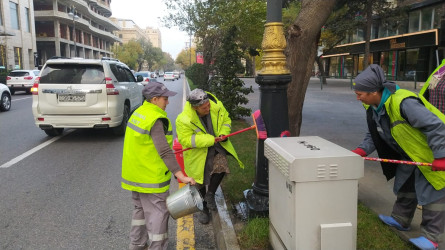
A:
[273,45]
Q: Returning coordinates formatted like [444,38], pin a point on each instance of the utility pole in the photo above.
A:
[74,15]
[190,35]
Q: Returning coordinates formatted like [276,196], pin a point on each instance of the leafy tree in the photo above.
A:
[128,53]
[302,43]
[168,64]
[151,55]
[185,57]
[155,55]
[198,75]
[208,20]
[227,87]
[362,12]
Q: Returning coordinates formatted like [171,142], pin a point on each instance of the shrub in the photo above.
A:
[227,86]
[199,76]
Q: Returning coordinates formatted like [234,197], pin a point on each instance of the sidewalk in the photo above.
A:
[334,114]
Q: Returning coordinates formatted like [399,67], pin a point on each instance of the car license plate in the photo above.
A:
[71,98]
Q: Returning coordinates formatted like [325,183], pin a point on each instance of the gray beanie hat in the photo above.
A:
[197,97]
[372,79]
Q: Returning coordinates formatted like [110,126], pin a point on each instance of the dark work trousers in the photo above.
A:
[215,180]
[150,221]
[433,214]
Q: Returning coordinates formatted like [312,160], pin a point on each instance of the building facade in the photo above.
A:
[74,28]
[131,31]
[154,36]
[17,35]
[411,52]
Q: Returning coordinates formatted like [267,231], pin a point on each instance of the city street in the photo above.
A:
[64,192]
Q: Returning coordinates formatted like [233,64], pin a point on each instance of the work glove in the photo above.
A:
[220,138]
[438,164]
[361,152]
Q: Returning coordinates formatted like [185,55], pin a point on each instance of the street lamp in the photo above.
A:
[74,15]
[190,35]
[273,80]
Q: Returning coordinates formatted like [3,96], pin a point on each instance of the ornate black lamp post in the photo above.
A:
[273,80]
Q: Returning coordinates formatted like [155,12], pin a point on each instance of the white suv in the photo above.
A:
[85,93]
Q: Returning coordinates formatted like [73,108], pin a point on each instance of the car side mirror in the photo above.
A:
[139,78]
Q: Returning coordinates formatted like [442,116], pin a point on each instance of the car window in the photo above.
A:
[36,72]
[118,73]
[72,73]
[19,73]
[130,76]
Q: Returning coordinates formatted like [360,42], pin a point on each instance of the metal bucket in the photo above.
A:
[184,201]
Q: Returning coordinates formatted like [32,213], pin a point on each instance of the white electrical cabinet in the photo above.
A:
[313,185]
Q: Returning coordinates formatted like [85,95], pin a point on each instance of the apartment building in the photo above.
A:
[17,35]
[130,30]
[74,28]
[154,36]
[410,52]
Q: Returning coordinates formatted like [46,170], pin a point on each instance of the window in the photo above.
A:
[414,18]
[358,36]
[14,12]
[27,21]
[427,18]
[1,16]
[424,19]
[2,57]
[17,58]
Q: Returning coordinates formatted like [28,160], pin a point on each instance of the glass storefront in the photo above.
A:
[398,65]
[333,66]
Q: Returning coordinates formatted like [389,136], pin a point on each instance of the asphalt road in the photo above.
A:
[66,194]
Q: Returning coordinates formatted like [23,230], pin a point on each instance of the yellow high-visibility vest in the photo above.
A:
[143,170]
[412,140]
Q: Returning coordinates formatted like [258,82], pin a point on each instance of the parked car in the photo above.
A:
[145,74]
[85,93]
[5,98]
[169,76]
[410,75]
[21,80]
[176,74]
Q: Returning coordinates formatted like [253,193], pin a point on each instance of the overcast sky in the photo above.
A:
[145,13]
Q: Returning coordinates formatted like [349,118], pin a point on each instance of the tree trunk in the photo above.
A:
[253,66]
[301,50]
[368,33]
[320,69]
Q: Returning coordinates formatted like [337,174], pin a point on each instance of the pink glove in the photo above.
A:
[360,152]
[438,164]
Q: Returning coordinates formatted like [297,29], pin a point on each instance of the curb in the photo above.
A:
[223,229]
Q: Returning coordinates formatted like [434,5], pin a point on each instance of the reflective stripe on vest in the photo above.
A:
[147,185]
[143,131]
[138,129]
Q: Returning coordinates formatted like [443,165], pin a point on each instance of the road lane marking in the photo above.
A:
[33,150]
[22,98]
[185,231]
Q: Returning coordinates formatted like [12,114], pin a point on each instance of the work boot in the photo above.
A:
[210,199]
[204,216]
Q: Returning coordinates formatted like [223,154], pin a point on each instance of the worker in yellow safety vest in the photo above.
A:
[147,164]
[201,126]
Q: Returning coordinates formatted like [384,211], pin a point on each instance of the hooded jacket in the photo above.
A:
[192,134]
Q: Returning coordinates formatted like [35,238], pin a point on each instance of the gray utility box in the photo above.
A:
[313,185]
